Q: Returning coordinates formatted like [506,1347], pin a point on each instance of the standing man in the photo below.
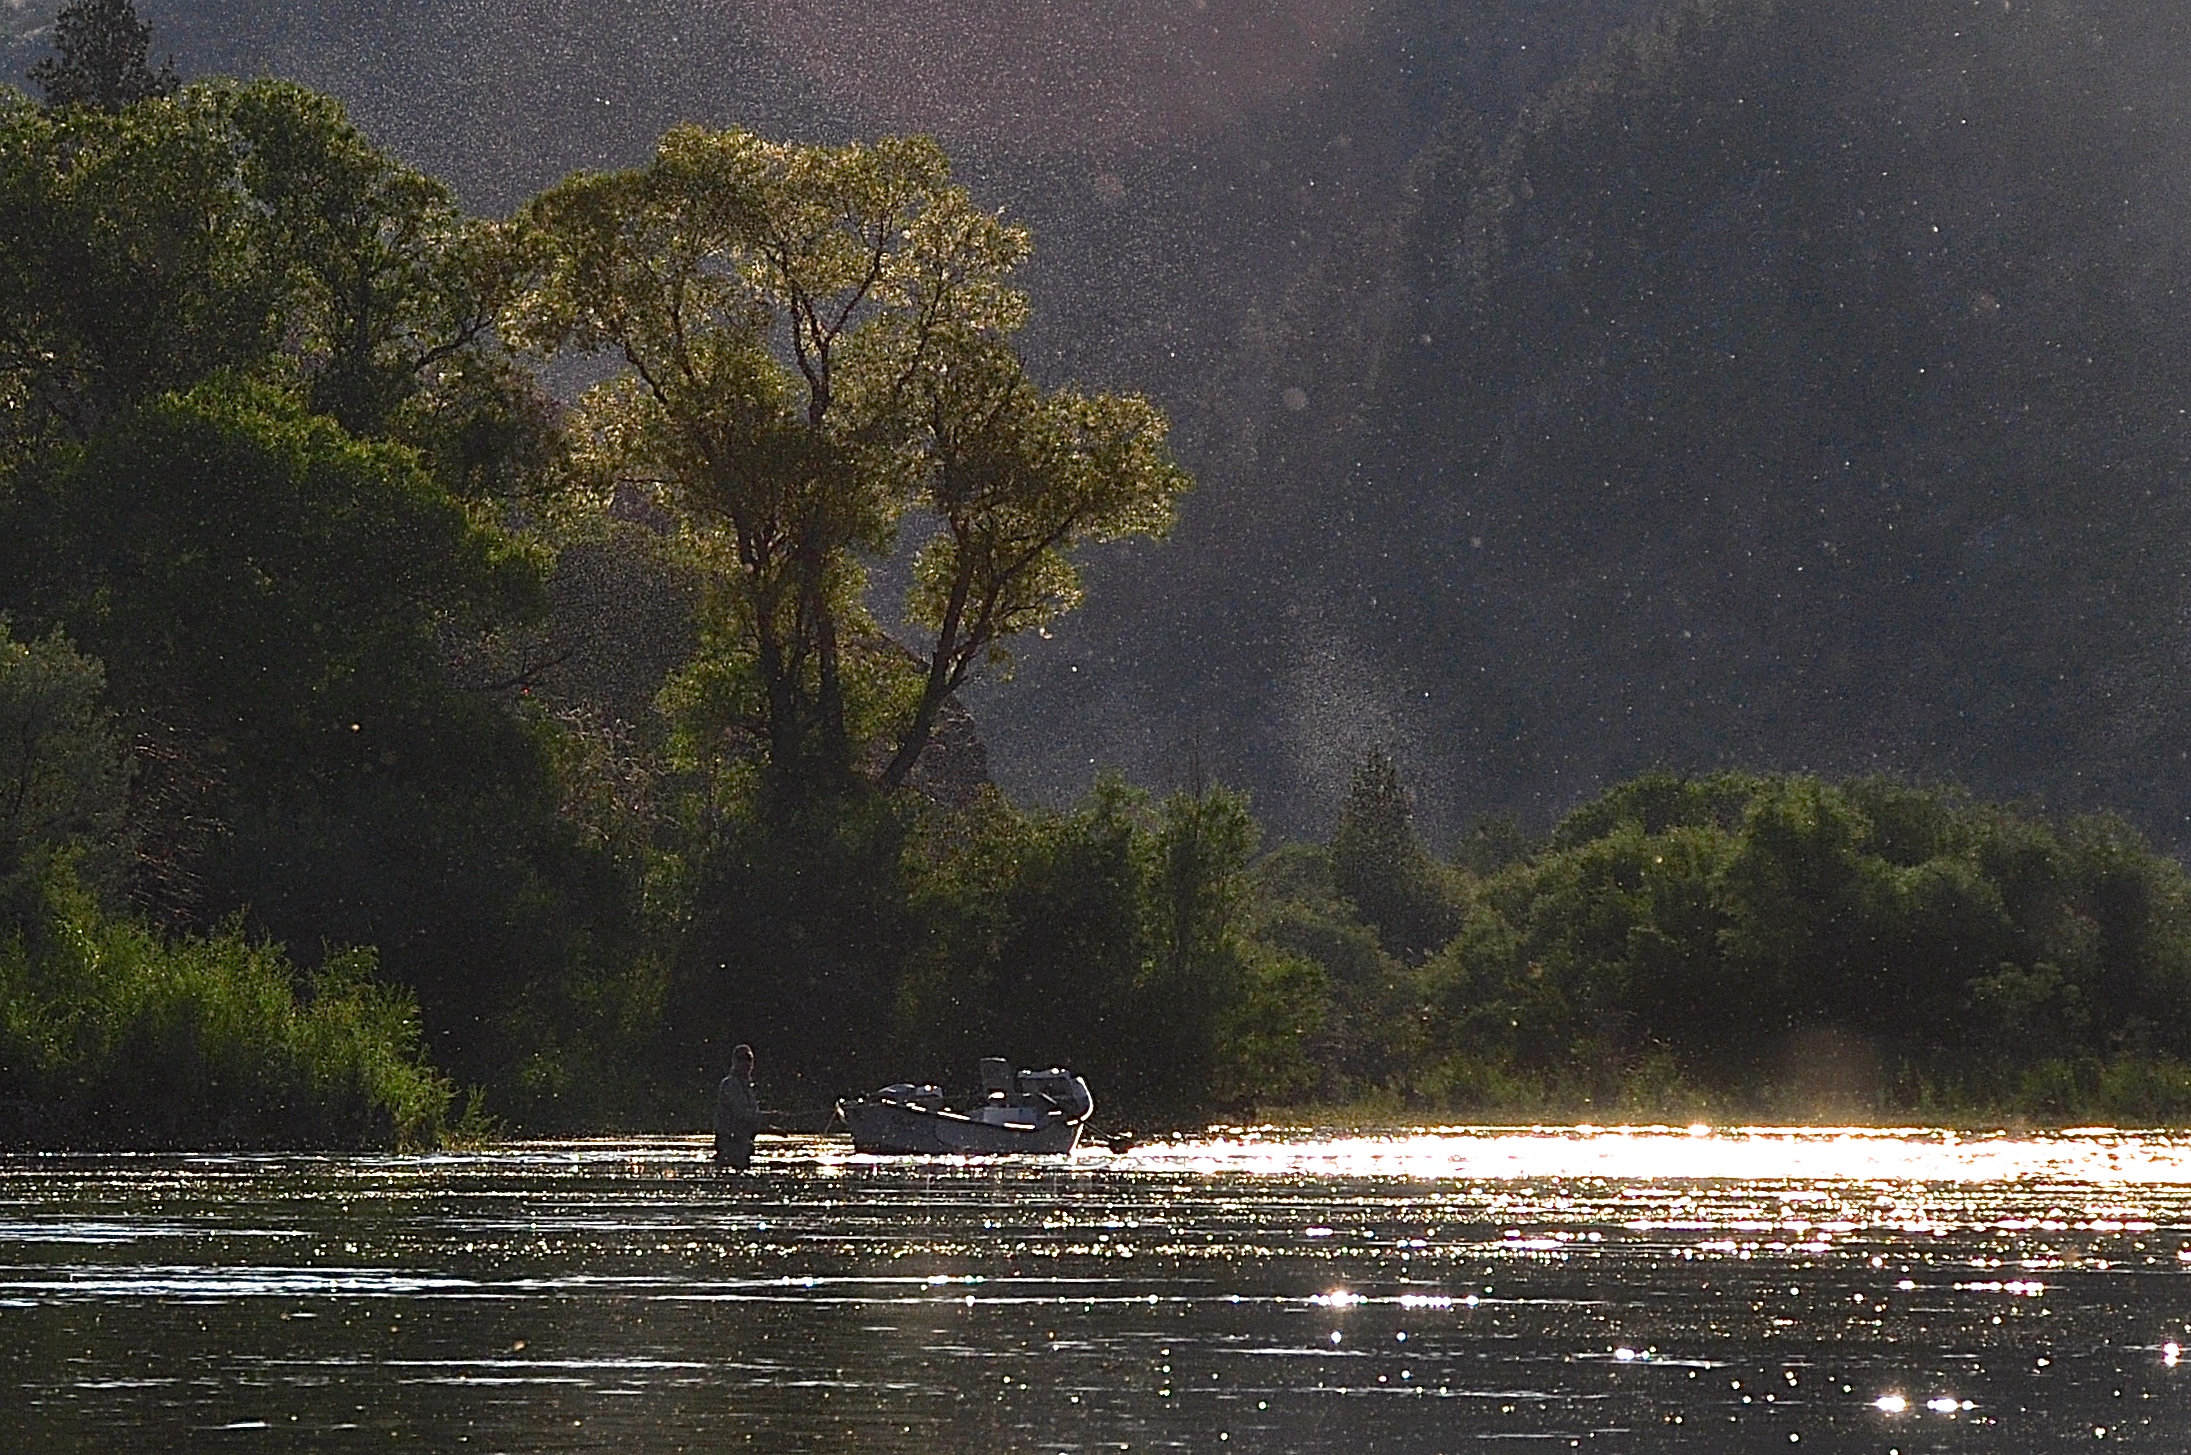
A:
[737,1112]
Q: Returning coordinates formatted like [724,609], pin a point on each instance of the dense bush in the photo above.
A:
[113,1036]
[1783,939]
[862,945]
[1771,944]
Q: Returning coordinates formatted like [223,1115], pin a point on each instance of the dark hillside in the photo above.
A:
[1804,384]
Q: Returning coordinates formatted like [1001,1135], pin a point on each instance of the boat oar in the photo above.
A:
[811,1120]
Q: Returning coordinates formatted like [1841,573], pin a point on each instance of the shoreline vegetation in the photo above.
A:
[375,724]
[116,1037]
[2130,1093]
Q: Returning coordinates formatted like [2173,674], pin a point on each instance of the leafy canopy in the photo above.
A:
[818,340]
[233,227]
[247,570]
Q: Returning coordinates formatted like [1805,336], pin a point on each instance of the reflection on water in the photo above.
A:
[1621,1289]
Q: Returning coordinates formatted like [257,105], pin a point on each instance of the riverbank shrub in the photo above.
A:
[114,1036]
[1786,942]
[1108,939]
[1759,945]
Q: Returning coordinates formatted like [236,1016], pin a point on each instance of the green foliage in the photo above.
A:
[99,58]
[1726,923]
[1379,864]
[1736,943]
[1039,942]
[605,816]
[818,340]
[1492,844]
[485,427]
[266,235]
[116,220]
[274,597]
[1199,971]
[1657,801]
[1359,1004]
[795,939]
[267,517]
[1109,939]
[1265,1037]
[583,1050]
[111,1036]
[382,279]
[247,568]
[63,774]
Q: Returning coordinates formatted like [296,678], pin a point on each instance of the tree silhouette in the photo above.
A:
[1379,863]
[99,58]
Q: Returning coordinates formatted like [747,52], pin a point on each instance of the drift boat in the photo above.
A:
[1033,1112]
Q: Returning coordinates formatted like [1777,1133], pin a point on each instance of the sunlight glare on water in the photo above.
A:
[1673,1288]
[1696,1152]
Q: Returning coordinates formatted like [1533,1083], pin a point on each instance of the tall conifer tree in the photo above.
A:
[99,58]
[1379,863]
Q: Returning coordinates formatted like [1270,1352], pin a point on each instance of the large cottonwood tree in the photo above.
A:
[817,341]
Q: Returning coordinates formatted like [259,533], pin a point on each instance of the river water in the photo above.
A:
[1249,1290]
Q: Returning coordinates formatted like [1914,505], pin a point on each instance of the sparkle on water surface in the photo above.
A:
[1254,1288]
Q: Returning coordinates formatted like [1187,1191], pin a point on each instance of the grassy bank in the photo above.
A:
[114,1036]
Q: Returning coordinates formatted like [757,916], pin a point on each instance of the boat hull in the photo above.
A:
[893,1129]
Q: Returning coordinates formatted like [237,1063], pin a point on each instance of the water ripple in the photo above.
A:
[1649,1288]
